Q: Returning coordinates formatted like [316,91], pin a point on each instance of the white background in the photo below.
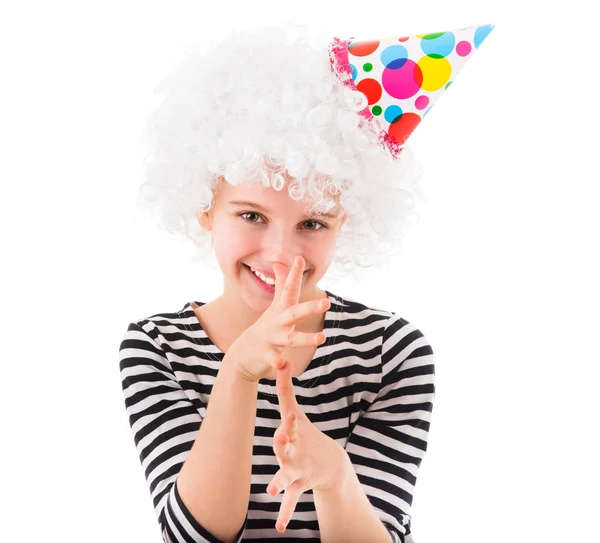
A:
[501,273]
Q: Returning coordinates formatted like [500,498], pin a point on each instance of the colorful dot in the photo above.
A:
[394,56]
[363,48]
[403,82]
[354,72]
[403,39]
[438,45]
[368,67]
[393,113]
[481,34]
[401,130]
[448,84]
[463,48]
[371,89]
[436,72]
[376,110]
[422,102]
[430,36]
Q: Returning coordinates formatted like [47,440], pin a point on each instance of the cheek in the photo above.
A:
[328,253]
[235,247]
[234,242]
[319,253]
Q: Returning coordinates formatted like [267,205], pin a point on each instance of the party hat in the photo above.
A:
[403,77]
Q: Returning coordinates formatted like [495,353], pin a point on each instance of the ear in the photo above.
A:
[205,220]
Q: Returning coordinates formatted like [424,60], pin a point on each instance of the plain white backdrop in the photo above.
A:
[501,273]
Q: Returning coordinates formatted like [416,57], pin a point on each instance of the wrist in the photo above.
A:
[238,371]
[340,476]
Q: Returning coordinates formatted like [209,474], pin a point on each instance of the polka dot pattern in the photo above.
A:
[436,72]
[403,77]
[371,89]
[422,102]
[392,114]
[363,48]
[404,81]
[463,48]
[438,45]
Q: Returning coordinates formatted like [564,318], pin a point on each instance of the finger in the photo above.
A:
[297,313]
[280,481]
[289,426]
[283,441]
[279,363]
[281,273]
[285,391]
[282,278]
[292,284]
[288,505]
[287,338]
[292,429]
[281,447]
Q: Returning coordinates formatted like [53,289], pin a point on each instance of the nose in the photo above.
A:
[280,246]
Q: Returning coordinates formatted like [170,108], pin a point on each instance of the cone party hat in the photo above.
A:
[403,77]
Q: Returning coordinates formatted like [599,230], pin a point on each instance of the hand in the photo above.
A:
[307,457]
[257,351]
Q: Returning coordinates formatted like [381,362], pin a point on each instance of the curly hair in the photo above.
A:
[266,105]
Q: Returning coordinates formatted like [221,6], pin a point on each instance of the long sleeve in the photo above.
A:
[164,423]
[388,442]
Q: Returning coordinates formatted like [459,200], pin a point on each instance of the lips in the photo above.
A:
[272,276]
[268,274]
[266,287]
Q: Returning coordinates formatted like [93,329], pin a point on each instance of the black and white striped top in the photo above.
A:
[370,387]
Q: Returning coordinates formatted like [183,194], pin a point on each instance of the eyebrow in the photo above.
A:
[244,203]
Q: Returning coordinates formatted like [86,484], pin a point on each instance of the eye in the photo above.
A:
[317,223]
[249,213]
[253,213]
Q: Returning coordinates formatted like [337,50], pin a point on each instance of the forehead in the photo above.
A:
[251,191]
[266,197]
[246,189]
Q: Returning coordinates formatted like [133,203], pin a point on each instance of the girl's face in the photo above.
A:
[275,229]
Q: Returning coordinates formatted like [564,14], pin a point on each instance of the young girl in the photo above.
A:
[280,410]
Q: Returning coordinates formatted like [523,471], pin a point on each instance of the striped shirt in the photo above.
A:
[370,387]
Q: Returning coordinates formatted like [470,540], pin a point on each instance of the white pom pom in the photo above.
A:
[320,116]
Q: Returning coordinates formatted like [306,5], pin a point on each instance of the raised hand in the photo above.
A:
[258,349]
[307,458]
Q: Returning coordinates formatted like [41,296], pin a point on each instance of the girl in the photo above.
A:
[280,410]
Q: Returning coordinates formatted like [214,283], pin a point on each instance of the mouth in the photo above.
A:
[250,269]
[265,287]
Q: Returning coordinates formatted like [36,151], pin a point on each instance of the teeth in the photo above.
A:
[267,280]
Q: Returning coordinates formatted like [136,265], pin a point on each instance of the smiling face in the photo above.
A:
[275,229]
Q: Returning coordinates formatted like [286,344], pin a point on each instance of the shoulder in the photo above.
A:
[396,333]
[166,316]
[351,312]
[154,328]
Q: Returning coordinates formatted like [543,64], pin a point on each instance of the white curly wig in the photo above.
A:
[264,103]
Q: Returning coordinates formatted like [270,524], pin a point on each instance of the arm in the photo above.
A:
[219,465]
[345,513]
[205,500]
[386,445]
